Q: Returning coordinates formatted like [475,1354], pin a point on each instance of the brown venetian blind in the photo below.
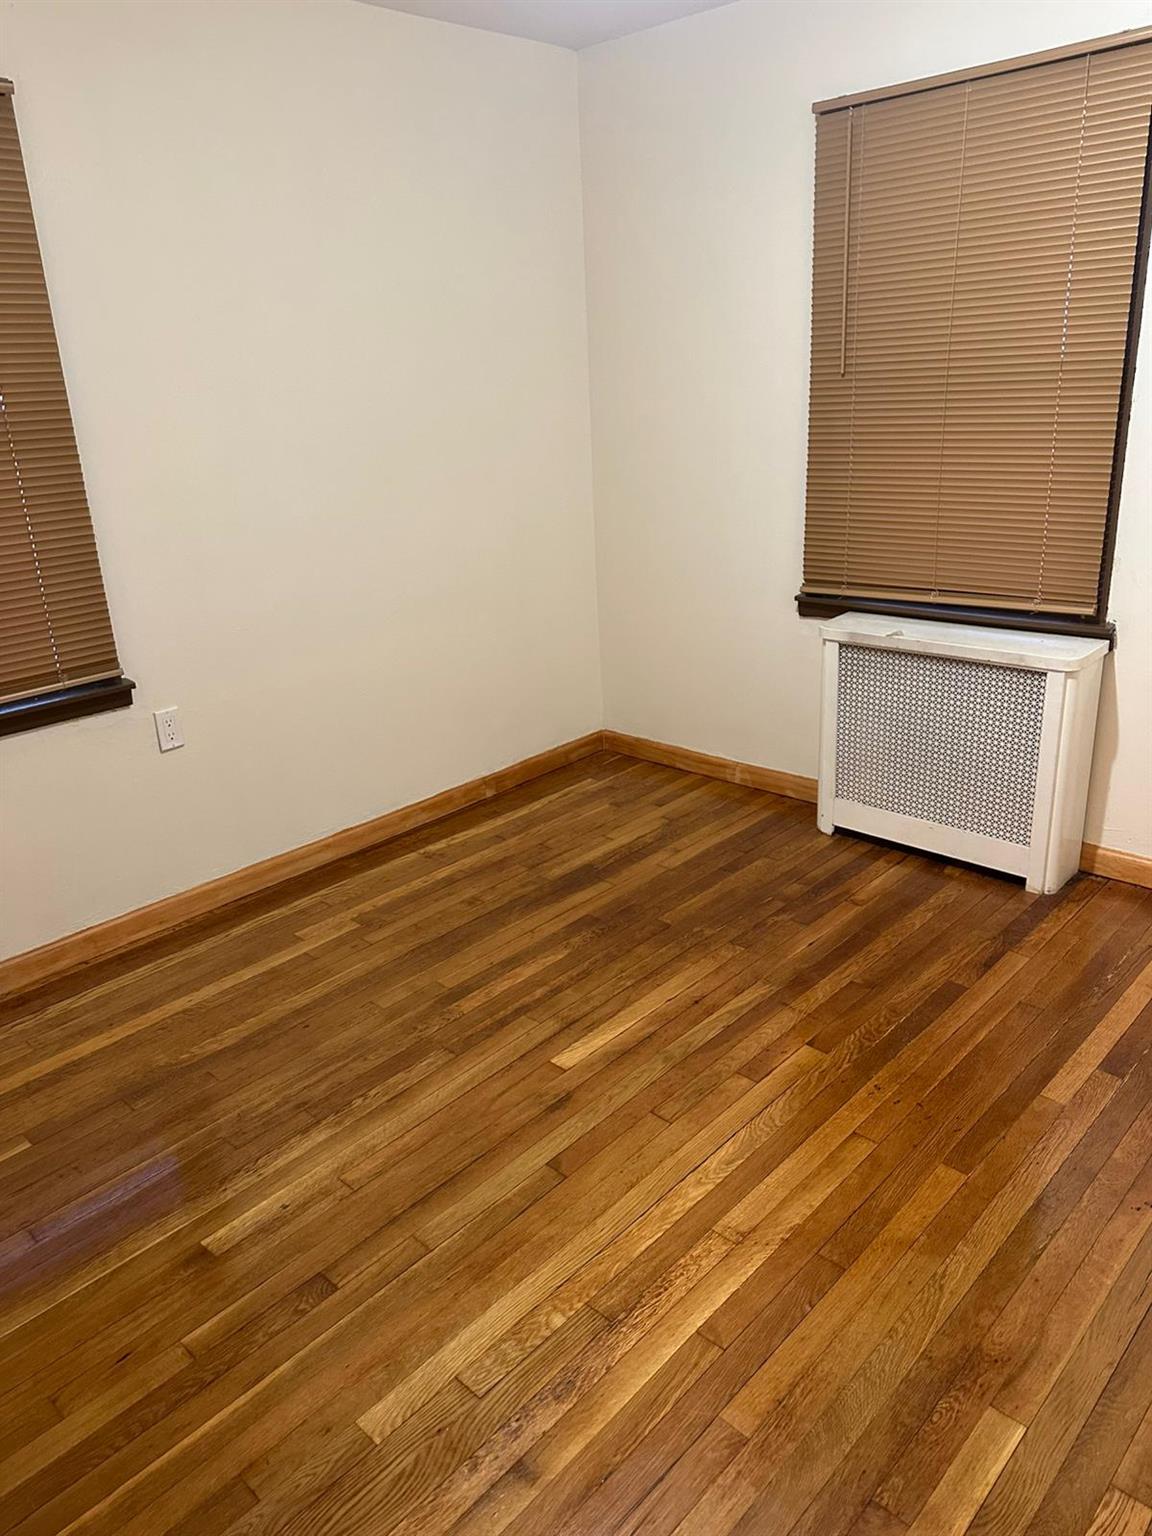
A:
[974,254]
[54,625]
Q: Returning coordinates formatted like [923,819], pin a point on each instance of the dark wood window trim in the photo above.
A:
[813,606]
[1127,379]
[64,704]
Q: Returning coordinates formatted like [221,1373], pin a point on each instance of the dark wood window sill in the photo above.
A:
[811,607]
[65,704]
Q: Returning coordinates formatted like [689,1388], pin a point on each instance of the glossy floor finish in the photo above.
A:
[621,1156]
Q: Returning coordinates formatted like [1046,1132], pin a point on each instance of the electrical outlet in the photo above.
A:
[168,731]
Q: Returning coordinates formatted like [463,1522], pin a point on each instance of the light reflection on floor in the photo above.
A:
[92,1225]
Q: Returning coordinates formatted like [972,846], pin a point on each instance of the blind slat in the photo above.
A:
[972,278]
[54,625]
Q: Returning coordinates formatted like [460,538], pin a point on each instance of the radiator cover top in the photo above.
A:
[947,741]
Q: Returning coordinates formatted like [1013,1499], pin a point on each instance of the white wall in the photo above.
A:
[698,145]
[318,281]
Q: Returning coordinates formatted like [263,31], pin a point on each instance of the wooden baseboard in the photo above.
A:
[1116,865]
[35,966]
[1130,868]
[794,785]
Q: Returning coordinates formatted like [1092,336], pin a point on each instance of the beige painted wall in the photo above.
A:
[318,280]
[697,142]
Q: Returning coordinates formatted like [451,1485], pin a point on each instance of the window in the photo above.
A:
[57,653]
[979,245]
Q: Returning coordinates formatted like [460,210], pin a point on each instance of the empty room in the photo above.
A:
[575,768]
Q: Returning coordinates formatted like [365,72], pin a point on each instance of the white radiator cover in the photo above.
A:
[970,742]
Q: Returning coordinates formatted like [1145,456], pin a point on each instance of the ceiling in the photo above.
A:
[570,23]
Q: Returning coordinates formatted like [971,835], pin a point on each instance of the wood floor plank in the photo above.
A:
[618,1157]
[967,1481]
[1135,1474]
[1119,1515]
[1097,1199]
[1026,1480]
[777,1465]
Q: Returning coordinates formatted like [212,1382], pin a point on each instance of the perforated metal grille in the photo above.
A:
[954,742]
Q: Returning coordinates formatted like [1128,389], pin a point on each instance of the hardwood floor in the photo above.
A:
[621,1156]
